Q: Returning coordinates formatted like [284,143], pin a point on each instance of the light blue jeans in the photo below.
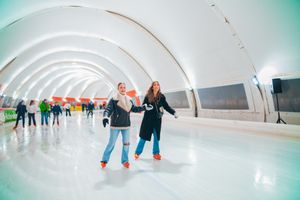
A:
[141,144]
[114,133]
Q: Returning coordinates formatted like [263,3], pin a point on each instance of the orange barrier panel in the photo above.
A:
[132,94]
[59,99]
[86,100]
[70,99]
[101,99]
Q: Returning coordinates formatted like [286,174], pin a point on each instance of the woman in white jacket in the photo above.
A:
[32,109]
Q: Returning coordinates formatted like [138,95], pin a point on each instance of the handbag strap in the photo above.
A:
[156,107]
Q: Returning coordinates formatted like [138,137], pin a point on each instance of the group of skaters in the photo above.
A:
[90,107]
[45,108]
[118,113]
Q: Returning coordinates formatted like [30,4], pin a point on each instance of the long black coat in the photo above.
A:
[150,119]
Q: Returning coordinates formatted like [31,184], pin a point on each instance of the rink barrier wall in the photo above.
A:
[7,115]
[270,129]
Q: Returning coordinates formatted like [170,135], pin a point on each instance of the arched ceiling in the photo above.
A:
[92,45]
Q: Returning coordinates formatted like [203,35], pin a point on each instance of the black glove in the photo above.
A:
[105,121]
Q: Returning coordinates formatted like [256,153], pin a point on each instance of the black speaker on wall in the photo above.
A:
[276,86]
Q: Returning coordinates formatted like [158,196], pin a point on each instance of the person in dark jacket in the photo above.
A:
[90,109]
[56,109]
[21,110]
[83,107]
[118,109]
[151,123]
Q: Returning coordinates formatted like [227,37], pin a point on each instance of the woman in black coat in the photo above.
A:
[21,110]
[151,123]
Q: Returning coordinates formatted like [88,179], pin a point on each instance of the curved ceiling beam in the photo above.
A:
[85,51]
[137,29]
[15,76]
[63,79]
[65,86]
[37,89]
[87,87]
[68,86]
[219,14]
[33,86]
[77,85]
[61,83]
[170,53]
[114,14]
[95,92]
[107,78]
[54,80]
[157,40]
[98,94]
[47,74]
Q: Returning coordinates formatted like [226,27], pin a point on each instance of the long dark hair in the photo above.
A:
[31,102]
[150,93]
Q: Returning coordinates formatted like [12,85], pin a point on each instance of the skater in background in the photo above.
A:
[151,123]
[56,109]
[90,109]
[44,111]
[82,107]
[21,110]
[104,105]
[86,108]
[49,109]
[118,109]
[68,109]
[32,109]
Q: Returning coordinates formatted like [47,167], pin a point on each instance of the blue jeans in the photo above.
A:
[44,115]
[141,144]
[114,133]
[55,116]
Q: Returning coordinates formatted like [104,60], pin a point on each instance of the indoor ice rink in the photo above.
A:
[228,75]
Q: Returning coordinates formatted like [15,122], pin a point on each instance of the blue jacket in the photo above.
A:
[56,110]
[21,109]
[91,106]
